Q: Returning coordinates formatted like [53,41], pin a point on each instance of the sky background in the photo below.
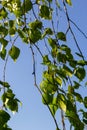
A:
[33,115]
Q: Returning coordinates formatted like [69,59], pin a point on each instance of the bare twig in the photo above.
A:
[69,28]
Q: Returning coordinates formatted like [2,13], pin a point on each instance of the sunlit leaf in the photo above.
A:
[47,98]
[62,102]
[69,2]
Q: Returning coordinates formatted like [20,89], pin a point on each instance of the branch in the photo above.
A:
[35,83]
[69,28]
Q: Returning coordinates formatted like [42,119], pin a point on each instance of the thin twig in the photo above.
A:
[35,83]
[78,28]
[69,28]
[63,123]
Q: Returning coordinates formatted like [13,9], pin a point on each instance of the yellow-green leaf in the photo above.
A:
[69,2]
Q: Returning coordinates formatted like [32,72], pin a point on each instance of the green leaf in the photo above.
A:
[11,23]
[85,121]
[4,42]
[78,97]
[12,31]
[47,98]
[27,6]
[34,35]
[61,36]
[85,114]
[85,102]
[80,73]
[67,70]
[48,87]
[54,105]
[4,117]
[78,54]
[46,60]
[53,108]
[69,2]
[3,31]
[82,62]
[58,80]
[3,53]
[62,102]
[76,85]
[52,42]
[35,25]
[5,84]
[70,89]
[14,53]
[12,104]
[3,13]
[61,57]
[45,12]
[47,31]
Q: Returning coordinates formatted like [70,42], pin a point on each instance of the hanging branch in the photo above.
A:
[35,83]
[78,28]
[69,28]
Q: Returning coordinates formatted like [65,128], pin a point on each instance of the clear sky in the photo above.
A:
[33,115]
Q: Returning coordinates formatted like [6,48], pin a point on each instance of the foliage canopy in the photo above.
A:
[63,72]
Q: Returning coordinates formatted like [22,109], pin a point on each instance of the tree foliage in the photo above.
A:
[65,69]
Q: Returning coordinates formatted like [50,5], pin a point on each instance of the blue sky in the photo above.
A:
[33,115]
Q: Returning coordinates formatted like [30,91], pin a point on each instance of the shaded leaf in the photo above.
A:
[4,117]
[67,70]
[45,12]
[80,73]
[5,84]
[34,35]
[14,52]
[35,25]
[85,102]
[61,36]
[27,6]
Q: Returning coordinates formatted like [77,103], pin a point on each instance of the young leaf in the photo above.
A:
[14,53]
